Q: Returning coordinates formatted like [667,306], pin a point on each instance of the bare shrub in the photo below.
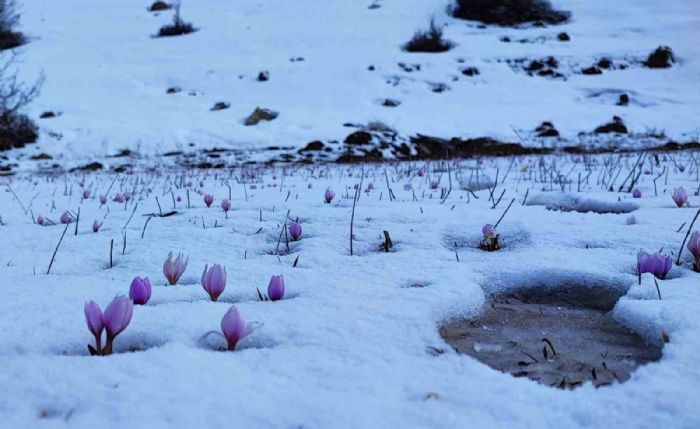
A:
[8,20]
[16,129]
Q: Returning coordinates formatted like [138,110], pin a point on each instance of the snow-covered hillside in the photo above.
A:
[334,62]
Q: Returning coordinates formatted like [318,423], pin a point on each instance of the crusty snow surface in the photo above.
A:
[354,344]
[106,75]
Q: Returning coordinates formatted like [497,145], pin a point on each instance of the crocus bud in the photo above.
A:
[421,172]
[680,196]
[233,327]
[681,168]
[214,281]
[636,193]
[275,290]
[656,264]
[226,205]
[86,194]
[119,198]
[96,226]
[93,316]
[295,230]
[632,220]
[65,218]
[117,315]
[208,199]
[434,184]
[103,199]
[487,231]
[694,248]
[407,187]
[173,270]
[40,220]
[328,196]
[127,195]
[140,290]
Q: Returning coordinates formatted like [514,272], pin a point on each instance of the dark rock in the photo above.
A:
[47,115]
[373,155]
[221,105]
[358,138]
[263,76]
[616,126]
[604,63]
[173,90]
[470,71]
[563,37]
[591,70]
[439,87]
[391,102]
[314,145]
[158,6]
[546,129]
[623,100]
[93,166]
[505,39]
[371,68]
[661,58]
[41,156]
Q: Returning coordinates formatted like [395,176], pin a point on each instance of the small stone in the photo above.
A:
[221,105]
[259,115]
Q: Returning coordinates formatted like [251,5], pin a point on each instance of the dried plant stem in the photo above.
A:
[352,216]
[56,249]
[690,228]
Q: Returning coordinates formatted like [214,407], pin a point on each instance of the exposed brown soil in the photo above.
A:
[561,338]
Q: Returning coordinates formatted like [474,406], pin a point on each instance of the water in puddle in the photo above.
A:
[561,338]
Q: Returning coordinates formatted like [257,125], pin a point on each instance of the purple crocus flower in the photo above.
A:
[214,281]
[40,220]
[96,226]
[656,264]
[636,193]
[295,230]
[93,317]
[103,199]
[208,199]
[694,248]
[225,205]
[233,327]
[116,318]
[173,270]
[421,172]
[119,198]
[407,187]
[681,168]
[632,220]
[328,196]
[487,231]
[65,218]
[140,290]
[86,194]
[434,184]
[275,290]
[680,196]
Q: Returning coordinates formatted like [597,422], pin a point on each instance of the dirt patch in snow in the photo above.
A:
[561,338]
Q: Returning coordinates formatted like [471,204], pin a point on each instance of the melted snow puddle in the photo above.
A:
[561,338]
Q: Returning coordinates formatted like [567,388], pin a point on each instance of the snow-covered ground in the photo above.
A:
[107,76]
[354,344]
